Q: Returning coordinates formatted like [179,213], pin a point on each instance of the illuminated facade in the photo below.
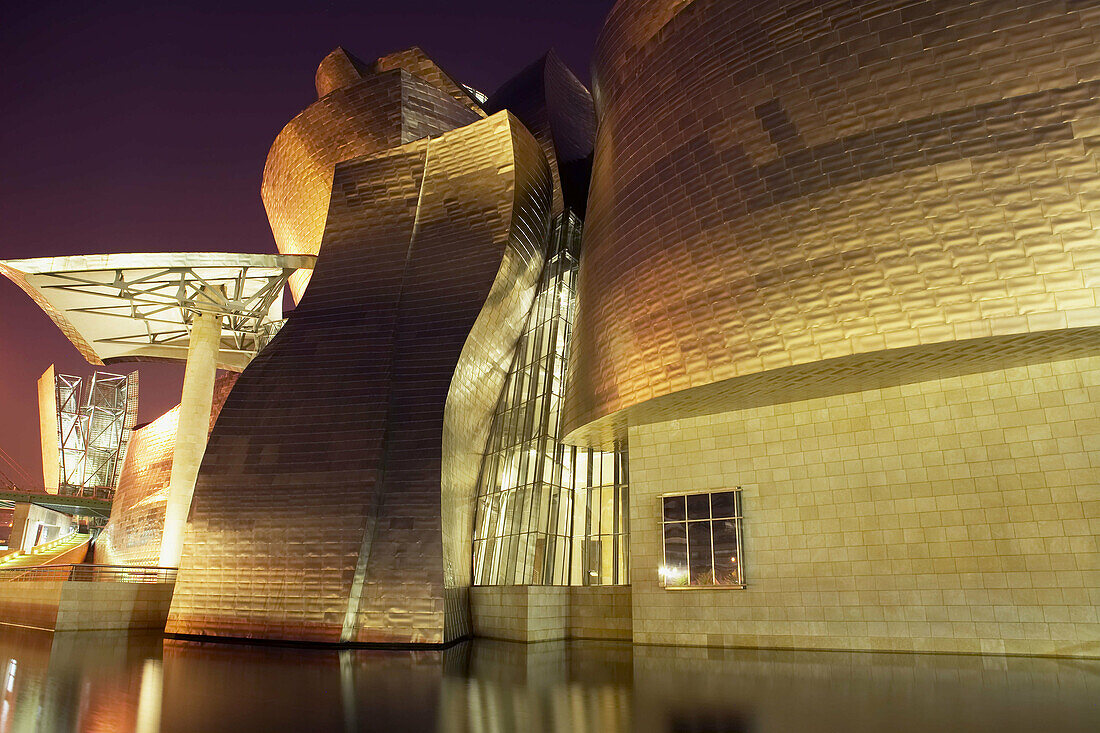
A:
[135,530]
[548,513]
[349,497]
[841,262]
[440,315]
[401,98]
[799,347]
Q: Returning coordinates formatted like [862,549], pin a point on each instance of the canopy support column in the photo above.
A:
[191,431]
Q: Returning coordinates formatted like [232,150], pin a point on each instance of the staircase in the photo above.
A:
[59,552]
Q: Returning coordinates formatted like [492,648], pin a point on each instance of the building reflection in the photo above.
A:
[75,681]
[482,686]
[549,686]
[245,688]
[685,689]
[103,682]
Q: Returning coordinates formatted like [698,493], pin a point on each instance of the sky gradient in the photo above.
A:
[128,127]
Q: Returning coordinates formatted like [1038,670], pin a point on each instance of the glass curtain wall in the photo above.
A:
[548,513]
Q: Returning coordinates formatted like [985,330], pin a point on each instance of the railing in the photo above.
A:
[90,574]
[56,542]
[105,493]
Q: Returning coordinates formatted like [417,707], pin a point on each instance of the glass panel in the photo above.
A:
[675,570]
[608,510]
[607,468]
[624,568]
[674,509]
[592,551]
[724,504]
[726,570]
[698,506]
[607,561]
[580,468]
[557,521]
[699,553]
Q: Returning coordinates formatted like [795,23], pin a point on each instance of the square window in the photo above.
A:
[702,540]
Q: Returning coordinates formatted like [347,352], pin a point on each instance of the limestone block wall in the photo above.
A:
[520,612]
[949,515]
[600,612]
[31,605]
[101,606]
[85,606]
[545,613]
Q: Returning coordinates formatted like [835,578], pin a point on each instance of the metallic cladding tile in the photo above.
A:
[379,111]
[557,109]
[482,368]
[337,487]
[133,533]
[864,177]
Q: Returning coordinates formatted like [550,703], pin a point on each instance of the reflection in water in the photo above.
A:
[105,682]
[77,681]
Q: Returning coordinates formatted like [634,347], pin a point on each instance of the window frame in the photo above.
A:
[738,519]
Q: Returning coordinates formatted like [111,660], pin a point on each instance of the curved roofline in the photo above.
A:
[144,260]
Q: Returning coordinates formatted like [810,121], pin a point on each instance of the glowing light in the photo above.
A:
[672,576]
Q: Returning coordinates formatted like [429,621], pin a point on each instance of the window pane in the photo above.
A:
[725,552]
[724,504]
[592,550]
[698,506]
[675,570]
[674,509]
[699,560]
[607,468]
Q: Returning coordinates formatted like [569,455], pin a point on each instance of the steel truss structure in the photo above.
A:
[140,306]
[94,427]
[164,300]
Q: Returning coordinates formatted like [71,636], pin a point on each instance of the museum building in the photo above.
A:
[787,335]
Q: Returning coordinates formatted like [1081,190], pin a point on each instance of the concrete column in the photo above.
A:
[47,425]
[191,431]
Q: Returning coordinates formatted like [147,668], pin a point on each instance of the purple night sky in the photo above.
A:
[131,127]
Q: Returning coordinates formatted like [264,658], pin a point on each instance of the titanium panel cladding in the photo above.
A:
[555,106]
[335,500]
[133,533]
[359,112]
[787,184]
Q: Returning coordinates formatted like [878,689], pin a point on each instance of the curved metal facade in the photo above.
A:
[558,110]
[359,112]
[335,500]
[548,513]
[133,533]
[868,188]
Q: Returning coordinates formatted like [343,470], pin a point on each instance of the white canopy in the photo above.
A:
[130,307]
